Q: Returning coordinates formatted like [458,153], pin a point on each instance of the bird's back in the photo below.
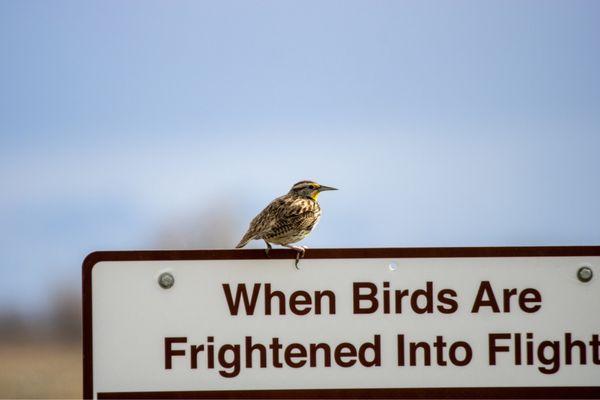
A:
[287,219]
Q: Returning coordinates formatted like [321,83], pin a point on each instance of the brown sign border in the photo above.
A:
[587,392]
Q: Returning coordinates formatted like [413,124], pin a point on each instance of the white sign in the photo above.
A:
[374,322]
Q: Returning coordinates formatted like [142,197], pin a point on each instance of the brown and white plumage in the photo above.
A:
[289,218]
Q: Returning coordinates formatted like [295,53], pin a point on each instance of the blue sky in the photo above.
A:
[443,124]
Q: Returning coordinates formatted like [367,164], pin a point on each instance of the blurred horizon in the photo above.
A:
[128,125]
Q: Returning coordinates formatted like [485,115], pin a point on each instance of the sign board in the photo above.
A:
[364,323]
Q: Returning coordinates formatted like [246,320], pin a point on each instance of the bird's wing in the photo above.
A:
[264,221]
[282,215]
[268,217]
[289,215]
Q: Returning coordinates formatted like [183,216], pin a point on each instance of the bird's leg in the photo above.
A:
[300,252]
[268,249]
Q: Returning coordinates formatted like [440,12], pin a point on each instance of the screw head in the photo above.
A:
[166,280]
[585,274]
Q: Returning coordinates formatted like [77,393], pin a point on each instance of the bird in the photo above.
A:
[288,219]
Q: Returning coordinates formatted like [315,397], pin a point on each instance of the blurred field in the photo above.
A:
[41,370]
[40,353]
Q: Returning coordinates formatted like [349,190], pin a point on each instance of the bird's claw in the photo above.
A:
[268,249]
[300,253]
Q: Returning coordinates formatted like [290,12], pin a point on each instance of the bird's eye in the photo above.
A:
[311,187]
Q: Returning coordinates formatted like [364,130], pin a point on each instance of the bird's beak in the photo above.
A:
[324,188]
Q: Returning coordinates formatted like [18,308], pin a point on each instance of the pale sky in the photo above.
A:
[443,123]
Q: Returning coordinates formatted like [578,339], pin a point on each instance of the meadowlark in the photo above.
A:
[288,219]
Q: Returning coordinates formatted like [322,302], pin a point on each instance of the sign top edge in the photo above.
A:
[374,252]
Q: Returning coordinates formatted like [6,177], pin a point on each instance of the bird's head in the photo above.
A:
[309,189]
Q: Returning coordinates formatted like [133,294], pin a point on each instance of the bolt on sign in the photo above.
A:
[364,323]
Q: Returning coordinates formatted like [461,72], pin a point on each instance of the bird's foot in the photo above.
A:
[300,253]
[300,250]
[268,249]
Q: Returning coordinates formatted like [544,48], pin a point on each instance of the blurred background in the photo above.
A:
[158,124]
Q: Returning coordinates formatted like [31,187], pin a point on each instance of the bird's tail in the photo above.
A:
[247,237]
